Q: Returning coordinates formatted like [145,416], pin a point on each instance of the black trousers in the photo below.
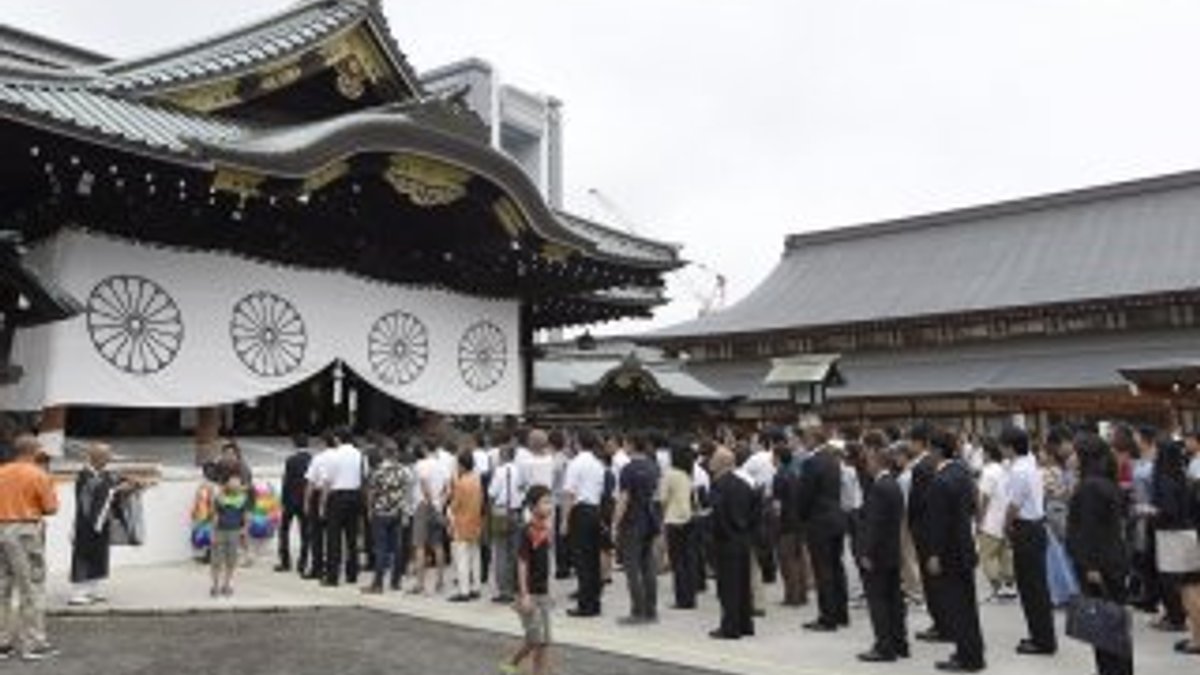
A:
[342,534]
[885,602]
[702,549]
[585,550]
[955,590]
[285,539]
[1029,567]
[733,588]
[683,564]
[825,552]
[933,599]
[317,525]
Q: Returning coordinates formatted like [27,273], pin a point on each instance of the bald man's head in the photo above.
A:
[722,461]
[538,440]
[27,446]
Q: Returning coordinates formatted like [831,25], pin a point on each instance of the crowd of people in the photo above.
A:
[1113,516]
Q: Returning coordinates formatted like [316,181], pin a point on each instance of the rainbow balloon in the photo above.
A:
[267,512]
[202,518]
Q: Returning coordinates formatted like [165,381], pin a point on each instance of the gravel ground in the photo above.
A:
[303,642]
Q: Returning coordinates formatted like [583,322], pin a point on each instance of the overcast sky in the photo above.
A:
[726,124]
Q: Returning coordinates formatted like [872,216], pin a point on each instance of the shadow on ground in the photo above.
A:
[301,642]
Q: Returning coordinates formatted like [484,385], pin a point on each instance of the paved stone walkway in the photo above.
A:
[680,638]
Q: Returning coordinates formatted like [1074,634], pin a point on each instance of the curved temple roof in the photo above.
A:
[286,34]
[168,107]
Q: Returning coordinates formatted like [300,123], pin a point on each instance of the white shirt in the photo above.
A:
[447,461]
[663,457]
[431,474]
[1026,489]
[760,467]
[537,470]
[344,468]
[585,478]
[483,461]
[852,496]
[700,479]
[993,484]
[505,490]
[317,471]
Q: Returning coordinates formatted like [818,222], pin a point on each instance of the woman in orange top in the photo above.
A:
[466,527]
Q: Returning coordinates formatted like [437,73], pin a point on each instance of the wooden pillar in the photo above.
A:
[52,430]
[526,352]
[208,432]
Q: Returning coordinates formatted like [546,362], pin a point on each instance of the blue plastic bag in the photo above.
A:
[1060,572]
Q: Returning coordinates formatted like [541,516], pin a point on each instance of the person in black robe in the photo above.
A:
[951,557]
[732,522]
[96,490]
[878,551]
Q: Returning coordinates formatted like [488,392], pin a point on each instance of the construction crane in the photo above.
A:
[709,292]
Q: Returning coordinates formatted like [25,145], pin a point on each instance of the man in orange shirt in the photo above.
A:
[26,497]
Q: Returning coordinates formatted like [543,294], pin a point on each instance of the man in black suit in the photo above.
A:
[825,525]
[879,554]
[924,468]
[293,506]
[951,559]
[732,522]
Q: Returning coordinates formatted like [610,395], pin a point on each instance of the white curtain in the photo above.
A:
[170,328]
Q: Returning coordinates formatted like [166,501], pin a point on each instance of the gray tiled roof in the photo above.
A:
[22,47]
[1123,240]
[101,116]
[620,244]
[285,34]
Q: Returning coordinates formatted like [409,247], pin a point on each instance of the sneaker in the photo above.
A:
[39,653]
[98,598]
[79,601]
[7,652]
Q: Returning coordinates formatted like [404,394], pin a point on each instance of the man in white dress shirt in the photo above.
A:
[1027,532]
[343,468]
[583,487]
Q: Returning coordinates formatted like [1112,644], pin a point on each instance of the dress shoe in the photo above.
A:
[931,635]
[372,590]
[631,621]
[718,634]
[283,568]
[460,597]
[503,599]
[580,613]
[1029,647]
[876,656]
[956,666]
[903,652]
[820,627]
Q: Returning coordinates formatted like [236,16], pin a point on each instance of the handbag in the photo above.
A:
[1178,551]
[1102,623]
